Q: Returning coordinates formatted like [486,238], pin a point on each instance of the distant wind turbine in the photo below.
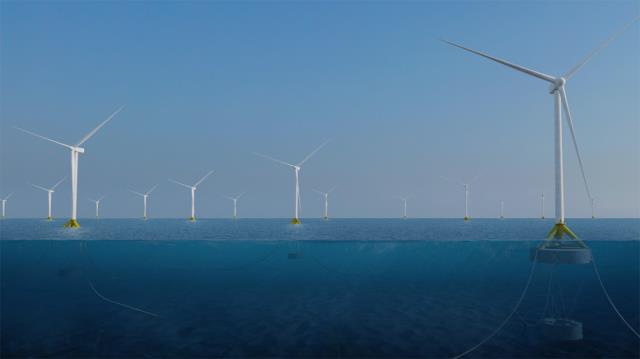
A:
[144,196]
[75,151]
[593,208]
[49,194]
[193,193]
[557,89]
[296,173]
[542,205]
[97,202]
[4,203]
[501,209]
[235,203]
[404,210]
[325,195]
[466,186]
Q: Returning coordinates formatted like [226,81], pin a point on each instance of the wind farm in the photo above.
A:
[381,177]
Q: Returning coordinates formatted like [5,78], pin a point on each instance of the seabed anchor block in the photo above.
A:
[561,329]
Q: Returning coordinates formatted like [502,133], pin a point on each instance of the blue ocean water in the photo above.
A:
[337,288]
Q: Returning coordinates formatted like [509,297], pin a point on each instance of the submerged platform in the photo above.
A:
[561,329]
[561,252]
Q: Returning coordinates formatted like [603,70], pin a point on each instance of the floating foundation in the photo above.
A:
[192,218]
[558,251]
[295,221]
[466,218]
[72,224]
[561,329]
[49,218]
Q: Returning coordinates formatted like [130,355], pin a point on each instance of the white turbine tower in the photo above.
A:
[501,209]
[557,89]
[296,173]
[193,193]
[404,209]
[542,205]
[593,208]
[49,195]
[235,203]
[144,196]
[75,151]
[4,203]
[325,195]
[97,202]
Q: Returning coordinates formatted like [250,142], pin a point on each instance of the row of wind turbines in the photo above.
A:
[556,88]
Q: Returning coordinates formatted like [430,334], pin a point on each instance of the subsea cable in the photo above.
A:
[504,322]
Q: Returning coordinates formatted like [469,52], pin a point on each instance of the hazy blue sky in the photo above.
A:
[206,84]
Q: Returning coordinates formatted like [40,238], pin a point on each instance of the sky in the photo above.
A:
[206,84]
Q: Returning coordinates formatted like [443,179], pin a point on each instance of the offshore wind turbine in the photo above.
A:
[404,208]
[501,209]
[542,205]
[144,196]
[4,203]
[557,89]
[75,151]
[296,173]
[466,186]
[325,195]
[235,203]
[97,202]
[49,195]
[593,208]
[193,193]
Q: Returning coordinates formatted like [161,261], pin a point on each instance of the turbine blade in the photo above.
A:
[93,132]
[452,181]
[42,137]
[101,198]
[597,50]
[138,193]
[39,187]
[565,104]
[57,184]
[312,153]
[9,196]
[318,192]
[240,195]
[228,197]
[151,190]
[180,183]
[473,179]
[332,188]
[523,69]
[274,159]
[203,178]
[92,200]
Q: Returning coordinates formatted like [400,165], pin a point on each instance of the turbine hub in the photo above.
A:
[79,149]
[557,84]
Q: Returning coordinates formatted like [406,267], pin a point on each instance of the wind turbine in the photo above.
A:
[501,209]
[404,210]
[193,193]
[557,89]
[593,208]
[144,199]
[542,205]
[296,173]
[466,186]
[235,203]
[97,202]
[325,195]
[4,203]
[50,194]
[75,151]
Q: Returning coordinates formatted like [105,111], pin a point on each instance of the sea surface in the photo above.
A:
[354,288]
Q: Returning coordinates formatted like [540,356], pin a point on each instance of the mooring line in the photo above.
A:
[595,268]
[100,295]
[504,322]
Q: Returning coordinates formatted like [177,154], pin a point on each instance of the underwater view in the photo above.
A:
[338,288]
